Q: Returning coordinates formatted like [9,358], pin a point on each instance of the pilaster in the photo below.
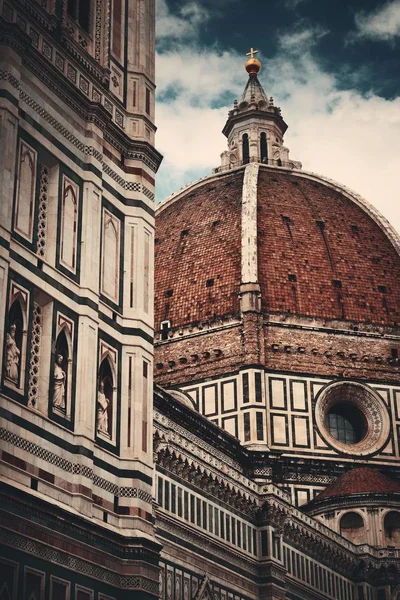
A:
[250,296]
[10,66]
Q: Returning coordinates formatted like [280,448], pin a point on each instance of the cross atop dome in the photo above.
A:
[252,65]
[252,52]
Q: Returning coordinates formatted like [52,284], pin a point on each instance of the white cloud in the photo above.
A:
[293,4]
[382,24]
[198,77]
[341,134]
[300,37]
[183,25]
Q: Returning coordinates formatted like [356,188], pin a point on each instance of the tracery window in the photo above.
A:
[80,10]
[346,423]
[24,209]
[69,224]
[36,185]
[352,418]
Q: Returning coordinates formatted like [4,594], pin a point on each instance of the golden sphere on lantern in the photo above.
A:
[252,66]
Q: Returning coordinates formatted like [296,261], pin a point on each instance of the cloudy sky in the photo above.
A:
[333,68]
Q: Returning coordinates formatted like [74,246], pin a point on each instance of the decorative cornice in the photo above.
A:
[364,500]
[11,35]
[200,328]
[299,592]
[252,114]
[7,76]
[207,480]
[86,61]
[41,17]
[200,433]
[73,96]
[312,538]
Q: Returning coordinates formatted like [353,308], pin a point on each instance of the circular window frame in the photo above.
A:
[368,402]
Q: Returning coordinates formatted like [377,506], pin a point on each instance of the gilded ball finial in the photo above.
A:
[252,65]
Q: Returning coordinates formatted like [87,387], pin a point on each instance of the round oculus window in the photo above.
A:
[346,423]
[352,418]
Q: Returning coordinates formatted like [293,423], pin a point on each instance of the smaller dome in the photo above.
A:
[363,480]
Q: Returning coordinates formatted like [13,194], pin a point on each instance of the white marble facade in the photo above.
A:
[277,411]
[76,260]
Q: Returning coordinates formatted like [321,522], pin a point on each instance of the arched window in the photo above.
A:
[352,527]
[263,148]
[245,149]
[391,525]
[104,409]
[14,343]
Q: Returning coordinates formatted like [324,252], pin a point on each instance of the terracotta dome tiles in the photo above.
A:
[197,253]
[319,253]
[363,480]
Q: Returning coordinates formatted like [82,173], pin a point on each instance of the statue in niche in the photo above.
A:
[12,355]
[59,384]
[102,410]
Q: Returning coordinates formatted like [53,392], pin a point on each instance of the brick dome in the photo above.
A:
[322,252]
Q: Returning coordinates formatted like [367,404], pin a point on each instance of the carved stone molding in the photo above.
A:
[73,89]
[206,480]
